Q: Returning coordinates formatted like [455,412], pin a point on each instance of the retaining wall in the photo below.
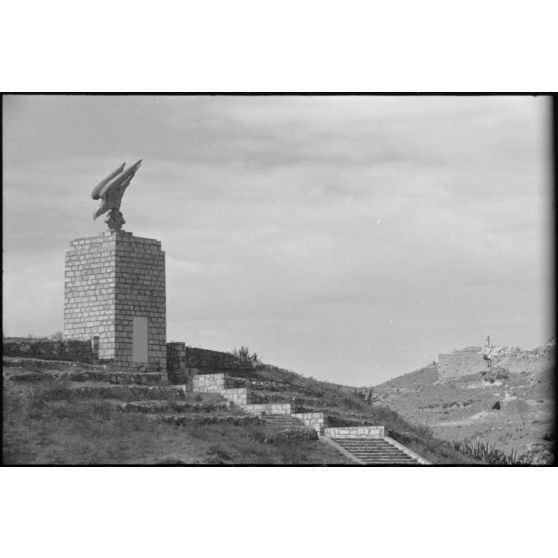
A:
[209,382]
[183,363]
[205,359]
[313,420]
[269,408]
[355,432]
[49,349]
[238,396]
[178,372]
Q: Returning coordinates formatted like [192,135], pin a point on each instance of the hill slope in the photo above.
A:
[53,414]
[512,409]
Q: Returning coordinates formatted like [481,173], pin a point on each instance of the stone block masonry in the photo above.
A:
[237,396]
[269,408]
[206,360]
[355,432]
[115,289]
[184,363]
[313,420]
[50,349]
[217,383]
[209,382]
[178,372]
[461,363]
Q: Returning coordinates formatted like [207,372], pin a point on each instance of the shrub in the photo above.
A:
[425,430]
[490,454]
[368,394]
[220,451]
[244,354]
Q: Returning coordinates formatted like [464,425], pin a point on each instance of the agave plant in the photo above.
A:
[244,354]
[488,453]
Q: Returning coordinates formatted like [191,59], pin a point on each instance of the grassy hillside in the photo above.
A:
[45,424]
[56,420]
[513,412]
[342,406]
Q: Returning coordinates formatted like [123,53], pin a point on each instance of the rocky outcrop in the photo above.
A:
[516,360]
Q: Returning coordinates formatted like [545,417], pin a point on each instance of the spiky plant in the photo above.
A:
[244,354]
[488,453]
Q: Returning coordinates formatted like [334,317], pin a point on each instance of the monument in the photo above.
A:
[114,287]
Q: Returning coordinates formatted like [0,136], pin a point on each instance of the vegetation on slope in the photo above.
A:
[48,423]
[496,416]
[51,422]
[345,406]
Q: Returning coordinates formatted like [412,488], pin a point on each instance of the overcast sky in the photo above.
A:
[347,238]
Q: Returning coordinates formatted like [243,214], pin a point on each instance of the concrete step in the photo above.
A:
[375,451]
[369,452]
[382,457]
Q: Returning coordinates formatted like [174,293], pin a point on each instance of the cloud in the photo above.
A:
[311,228]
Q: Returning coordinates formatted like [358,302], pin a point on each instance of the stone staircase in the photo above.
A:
[370,451]
[205,399]
[366,445]
[279,414]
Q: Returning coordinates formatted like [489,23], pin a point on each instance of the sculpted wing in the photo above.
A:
[111,192]
[96,193]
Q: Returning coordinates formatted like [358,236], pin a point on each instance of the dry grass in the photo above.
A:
[40,428]
[46,422]
[343,407]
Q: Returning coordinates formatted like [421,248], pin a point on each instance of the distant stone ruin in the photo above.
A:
[470,360]
[477,359]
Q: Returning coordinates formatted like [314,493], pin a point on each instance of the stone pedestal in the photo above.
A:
[115,289]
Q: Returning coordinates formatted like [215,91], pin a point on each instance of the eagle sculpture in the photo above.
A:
[110,191]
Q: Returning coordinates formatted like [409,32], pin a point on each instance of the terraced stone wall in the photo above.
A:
[209,382]
[355,432]
[178,372]
[238,396]
[269,408]
[313,420]
[49,349]
[206,360]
